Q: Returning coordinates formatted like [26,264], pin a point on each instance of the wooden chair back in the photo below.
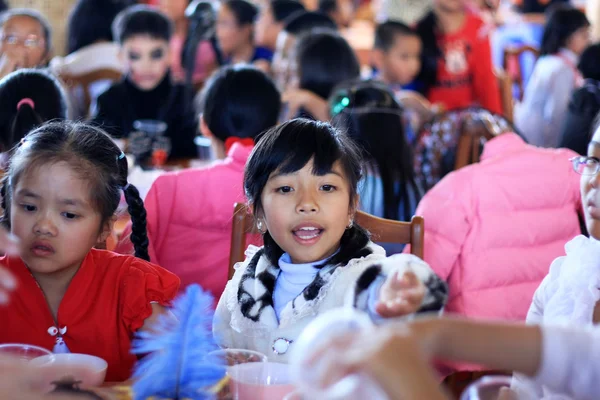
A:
[505,85]
[86,80]
[382,230]
[513,54]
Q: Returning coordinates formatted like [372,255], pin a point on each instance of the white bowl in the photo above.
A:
[89,370]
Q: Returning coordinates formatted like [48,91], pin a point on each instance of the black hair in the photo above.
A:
[324,60]
[282,9]
[387,32]
[370,114]
[90,21]
[33,14]
[245,12]
[589,61]
[3,6]
[141,20]
[93,154]
[240,101]
[427,30]
[48,101]
[288,148]
[563,21]
[327,6]
[304,21]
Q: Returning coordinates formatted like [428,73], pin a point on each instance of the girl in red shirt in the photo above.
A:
[457,62]
[59,197]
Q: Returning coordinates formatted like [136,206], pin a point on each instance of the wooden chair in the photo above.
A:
[382,230]
[86,80]
[505,85]
[515,53]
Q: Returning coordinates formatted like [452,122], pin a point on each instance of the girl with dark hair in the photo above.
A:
[206,56]
[235,35]
[323,60]
[540,117]
[302,183]
[189,212]
[584,104]
[59,197]
[370,114]
[28,98]
[457,69]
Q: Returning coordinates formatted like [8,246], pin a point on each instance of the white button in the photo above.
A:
[281,345]
[52,331]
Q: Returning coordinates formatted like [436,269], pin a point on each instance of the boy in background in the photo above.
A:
[147,92]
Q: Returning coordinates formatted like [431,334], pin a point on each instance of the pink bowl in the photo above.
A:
[89,370]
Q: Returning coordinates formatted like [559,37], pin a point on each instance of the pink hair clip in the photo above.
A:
[27,101]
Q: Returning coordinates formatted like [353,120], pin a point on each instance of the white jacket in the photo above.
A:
[245,317]
[566,296]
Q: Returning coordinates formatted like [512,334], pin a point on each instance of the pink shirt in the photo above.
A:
[190,218]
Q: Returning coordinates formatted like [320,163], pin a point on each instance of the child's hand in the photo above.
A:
[400,296]
[9,244]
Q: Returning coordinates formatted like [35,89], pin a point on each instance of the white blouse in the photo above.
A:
[566,296]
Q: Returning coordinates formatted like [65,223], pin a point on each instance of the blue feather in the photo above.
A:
[175,366]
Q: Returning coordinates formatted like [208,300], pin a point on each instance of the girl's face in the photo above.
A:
[266,29]
[174,9]
[590,191]
[23,42]
[51,212]
[579,40]
[307,214]
[230,34]
[146,59]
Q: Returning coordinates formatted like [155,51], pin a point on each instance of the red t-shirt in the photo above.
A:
[465,75]
[105,304]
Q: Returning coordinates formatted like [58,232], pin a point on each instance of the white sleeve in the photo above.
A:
[570,361]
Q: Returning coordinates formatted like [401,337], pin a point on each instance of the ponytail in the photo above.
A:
[25,120]
[426,29]
[139,235]
[137,212]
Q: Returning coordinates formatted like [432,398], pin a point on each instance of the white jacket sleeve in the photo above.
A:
[570,361]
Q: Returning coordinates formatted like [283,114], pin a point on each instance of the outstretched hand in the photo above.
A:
[400,295]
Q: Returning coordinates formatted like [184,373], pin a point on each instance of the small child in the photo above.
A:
[340,11]
[271,19]
[25,40]
[146,91]
[302,183]
[59,197]
[190,212]
[397,58]
[457,69]
[28,98]
[584,104]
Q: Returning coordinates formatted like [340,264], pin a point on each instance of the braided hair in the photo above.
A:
[97,159]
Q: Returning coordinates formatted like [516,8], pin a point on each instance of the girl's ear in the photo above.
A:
[107,229]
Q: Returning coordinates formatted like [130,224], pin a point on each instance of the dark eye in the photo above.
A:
[285,189]
[134,56]
[157,54]
[328,188]
[69,215]
[29,208]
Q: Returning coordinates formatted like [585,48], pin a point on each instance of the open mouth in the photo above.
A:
[307,234]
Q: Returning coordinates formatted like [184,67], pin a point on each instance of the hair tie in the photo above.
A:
[121,156]
[230,141]
[27,101]
[124,188]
